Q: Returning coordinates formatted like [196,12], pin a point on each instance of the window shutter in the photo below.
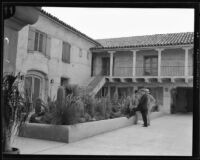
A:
[66,52]
[48,46]
[63,52]
[44,43]
[31,39]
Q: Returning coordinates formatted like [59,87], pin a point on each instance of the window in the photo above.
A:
[66,52]
[151,65]
[40,42]
[33,86]
[36,84]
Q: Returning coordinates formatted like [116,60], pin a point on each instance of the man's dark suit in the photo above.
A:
[142,107]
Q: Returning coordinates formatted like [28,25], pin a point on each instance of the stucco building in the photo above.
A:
[163,63]
[51,53]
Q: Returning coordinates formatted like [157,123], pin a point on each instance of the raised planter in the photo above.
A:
[45,131]
[72,133]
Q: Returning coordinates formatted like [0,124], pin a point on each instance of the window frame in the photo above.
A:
[39,45]
[33,77]
[151,68]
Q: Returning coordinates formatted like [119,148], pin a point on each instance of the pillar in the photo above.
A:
[134,62]
[159,60]
[186,61]
[166,108]
[111,63]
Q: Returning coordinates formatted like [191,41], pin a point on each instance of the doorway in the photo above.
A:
[33,86]
[182,100]
[106,66]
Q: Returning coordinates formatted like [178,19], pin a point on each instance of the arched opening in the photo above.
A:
[36,85]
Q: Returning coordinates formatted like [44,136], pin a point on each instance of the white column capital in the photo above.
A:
[134,50]
[111,52]
[159,49]
[187,48]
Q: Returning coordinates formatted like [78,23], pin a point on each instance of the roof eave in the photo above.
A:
[97,49]
[44,13]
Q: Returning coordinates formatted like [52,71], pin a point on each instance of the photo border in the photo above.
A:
[128,4]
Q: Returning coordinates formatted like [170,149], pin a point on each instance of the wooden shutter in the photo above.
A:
[48,46]
[66,52]
[31,39]
[44,43]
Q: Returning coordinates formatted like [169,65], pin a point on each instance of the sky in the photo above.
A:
[100,23]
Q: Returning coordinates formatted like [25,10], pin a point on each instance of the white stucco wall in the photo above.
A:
[78,70]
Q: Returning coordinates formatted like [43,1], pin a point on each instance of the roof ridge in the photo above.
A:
[145,35]
[68,26]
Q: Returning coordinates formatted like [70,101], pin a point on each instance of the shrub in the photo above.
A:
[88,105]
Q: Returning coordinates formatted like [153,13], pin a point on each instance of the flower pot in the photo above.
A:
[14,151]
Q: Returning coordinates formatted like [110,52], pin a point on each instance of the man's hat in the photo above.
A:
[145,90]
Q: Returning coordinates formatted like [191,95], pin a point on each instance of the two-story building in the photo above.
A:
[162,62]
[51,53]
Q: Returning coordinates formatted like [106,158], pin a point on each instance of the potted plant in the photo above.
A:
[15,110]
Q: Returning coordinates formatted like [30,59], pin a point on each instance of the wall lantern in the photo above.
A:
[51,81]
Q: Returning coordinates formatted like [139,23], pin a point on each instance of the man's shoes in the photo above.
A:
[144,126]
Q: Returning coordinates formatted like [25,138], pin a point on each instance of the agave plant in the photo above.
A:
[16,108]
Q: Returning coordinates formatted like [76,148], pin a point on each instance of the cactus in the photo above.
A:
[60,99]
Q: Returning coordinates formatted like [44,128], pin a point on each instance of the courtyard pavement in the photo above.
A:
[167,135]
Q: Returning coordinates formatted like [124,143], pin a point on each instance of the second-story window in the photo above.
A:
[40,42]
[66,52]
[151,65]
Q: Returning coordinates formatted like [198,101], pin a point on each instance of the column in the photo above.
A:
[159,60]
[186,61]
[134,62]
[111,62]
[166,108]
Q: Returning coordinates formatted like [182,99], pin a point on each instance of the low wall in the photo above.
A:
[72,133]
[45,131]
[85,130]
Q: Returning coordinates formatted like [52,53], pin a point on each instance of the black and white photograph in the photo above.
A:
[98,81]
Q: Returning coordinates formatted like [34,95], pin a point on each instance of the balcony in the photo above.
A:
[141,71]
[167,73]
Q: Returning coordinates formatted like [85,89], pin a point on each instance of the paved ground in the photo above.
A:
[167,135]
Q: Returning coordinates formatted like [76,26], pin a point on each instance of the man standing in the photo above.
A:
[143,106]
[150,104]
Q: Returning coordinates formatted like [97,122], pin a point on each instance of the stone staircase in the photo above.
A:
[95,84]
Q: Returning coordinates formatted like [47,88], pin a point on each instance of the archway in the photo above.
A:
[36,85]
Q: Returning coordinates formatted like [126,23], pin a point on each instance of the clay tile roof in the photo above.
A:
[69,27]
[147,40]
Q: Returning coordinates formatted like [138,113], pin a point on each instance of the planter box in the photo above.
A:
[72,133]
[45,131]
